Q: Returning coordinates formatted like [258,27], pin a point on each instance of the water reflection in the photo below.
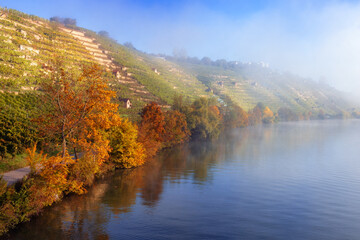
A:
[247,155]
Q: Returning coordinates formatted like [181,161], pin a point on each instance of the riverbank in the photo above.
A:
[117,144]
[261,182]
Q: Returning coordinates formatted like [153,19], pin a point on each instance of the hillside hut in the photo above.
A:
[116,73]
[126,102]
[156,71]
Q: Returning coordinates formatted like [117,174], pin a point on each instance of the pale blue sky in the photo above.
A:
[308,37]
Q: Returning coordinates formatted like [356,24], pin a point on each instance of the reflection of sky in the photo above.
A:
[291,179]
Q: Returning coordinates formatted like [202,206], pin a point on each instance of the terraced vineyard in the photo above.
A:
[16,130]
[160,77]
[249,84]
[27,46]
[29,43]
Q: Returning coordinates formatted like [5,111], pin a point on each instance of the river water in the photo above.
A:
[285,181]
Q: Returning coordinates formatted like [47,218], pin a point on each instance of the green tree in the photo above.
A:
[204,119]
[285,114]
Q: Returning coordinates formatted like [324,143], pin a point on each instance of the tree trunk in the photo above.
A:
[76,157]
[63,145]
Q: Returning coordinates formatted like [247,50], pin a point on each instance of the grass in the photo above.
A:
[10,163]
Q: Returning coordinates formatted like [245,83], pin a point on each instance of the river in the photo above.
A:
[297,180]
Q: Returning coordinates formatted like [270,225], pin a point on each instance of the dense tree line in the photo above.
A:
[81,135]
[65,21]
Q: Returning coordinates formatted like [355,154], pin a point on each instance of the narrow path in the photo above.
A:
[15,176]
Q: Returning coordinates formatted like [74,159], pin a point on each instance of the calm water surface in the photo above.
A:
[284,181]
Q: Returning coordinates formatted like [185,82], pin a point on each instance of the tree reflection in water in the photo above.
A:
[87,216]
[113,198]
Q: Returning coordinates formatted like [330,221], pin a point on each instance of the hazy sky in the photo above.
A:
[312,38]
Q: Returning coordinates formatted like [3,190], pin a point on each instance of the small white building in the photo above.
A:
[156,71]
[126,101]
[117,74]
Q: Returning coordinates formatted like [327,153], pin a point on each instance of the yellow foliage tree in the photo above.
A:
[268,115]
[51,177]
[126,151]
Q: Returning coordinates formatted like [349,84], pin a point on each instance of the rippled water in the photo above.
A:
[284,181]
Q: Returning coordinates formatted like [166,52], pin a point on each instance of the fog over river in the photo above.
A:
[296,180]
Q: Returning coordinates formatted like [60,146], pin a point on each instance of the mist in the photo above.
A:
[313,39]
[317,41]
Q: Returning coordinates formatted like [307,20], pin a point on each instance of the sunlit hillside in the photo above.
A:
[250,83]
[29,43]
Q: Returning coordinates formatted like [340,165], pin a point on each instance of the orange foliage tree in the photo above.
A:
[235,117]
[176,129]
[50,177]
[71,105]
[76,106]
[151,128]
[76,112]
[90,137]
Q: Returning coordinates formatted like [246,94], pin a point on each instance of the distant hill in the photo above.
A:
[250,83]
[28,43]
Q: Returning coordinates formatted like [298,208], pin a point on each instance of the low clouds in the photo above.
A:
[312,40]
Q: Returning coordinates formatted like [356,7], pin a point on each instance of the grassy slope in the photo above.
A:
[28,43]
[248,85]
[171,79]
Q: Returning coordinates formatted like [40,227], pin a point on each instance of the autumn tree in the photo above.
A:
[234,115]
[74,106]
[151,128]
[255,115]
[126,151]
[90,138]
[176,129]
[76,111]
[267,115]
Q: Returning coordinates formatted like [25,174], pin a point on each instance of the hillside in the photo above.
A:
[247,84]
[29,43]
